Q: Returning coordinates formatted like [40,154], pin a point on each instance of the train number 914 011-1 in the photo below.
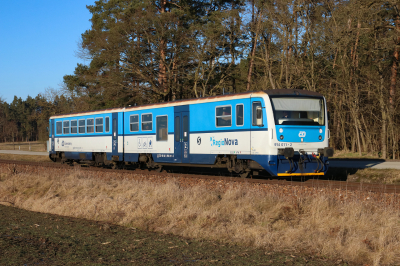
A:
[283,144]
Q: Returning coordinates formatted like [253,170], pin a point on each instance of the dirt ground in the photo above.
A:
[30,238]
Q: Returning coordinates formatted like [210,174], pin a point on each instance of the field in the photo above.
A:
[30,238]
[24,146]
[28,158]
[338,226]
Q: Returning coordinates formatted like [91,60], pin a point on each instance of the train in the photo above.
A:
[283,132]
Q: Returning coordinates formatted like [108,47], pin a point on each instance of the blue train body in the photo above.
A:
[284,132]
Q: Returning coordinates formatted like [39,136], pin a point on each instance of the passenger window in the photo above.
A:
[147,122]
[90,125]
[107,124]
[162,128]
[257,117]
[99,125]
[82,126]
[66,127]
[177,129]
[134,123]
[50,129]
[59,128]
[74,127]
[185,125]
[223,116]
[239,115]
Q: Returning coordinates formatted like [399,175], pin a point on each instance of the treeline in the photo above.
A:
[28,120]
[147,51]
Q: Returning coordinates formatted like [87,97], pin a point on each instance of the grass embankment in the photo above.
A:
[357,231]
[368,175]
[346,154]
[381,176]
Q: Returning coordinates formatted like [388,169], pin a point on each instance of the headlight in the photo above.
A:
[320,137]
[280,130]
[320,130]
[281,137]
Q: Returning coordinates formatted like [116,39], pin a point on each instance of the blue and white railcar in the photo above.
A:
[284,132]
[87,136]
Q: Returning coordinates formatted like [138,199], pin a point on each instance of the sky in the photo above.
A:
[38,42]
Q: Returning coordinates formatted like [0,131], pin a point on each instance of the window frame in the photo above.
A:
[220,106]
[102,125]
[75,126]
[147,122]
[130,123]
[64,127]
[252,114]
[107,124]
[79,126]
[87,125]
[237,115]
[157,129]
[61,128]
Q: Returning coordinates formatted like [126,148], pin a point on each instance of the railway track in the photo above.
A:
[309,182]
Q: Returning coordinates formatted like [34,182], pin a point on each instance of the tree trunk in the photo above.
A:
[395,62]
[384,118]
[162,68]
[256,23]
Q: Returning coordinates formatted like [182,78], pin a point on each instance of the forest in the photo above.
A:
[147,51]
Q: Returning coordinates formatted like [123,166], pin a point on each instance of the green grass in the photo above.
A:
[30,238]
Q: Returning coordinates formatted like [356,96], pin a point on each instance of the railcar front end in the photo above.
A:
[300,140]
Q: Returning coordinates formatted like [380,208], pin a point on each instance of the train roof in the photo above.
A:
[242,95]
[292,92]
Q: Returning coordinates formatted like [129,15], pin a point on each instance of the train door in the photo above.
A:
[52,130]
[256,125]
[181,134]
[114,134]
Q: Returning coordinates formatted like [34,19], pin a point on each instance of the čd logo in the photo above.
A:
[302,134]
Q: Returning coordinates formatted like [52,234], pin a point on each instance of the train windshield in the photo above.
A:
[298,111]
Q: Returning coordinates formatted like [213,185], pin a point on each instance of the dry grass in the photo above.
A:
[356,231]
[24,146]
[30,158]
[355,155]
[382,176]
